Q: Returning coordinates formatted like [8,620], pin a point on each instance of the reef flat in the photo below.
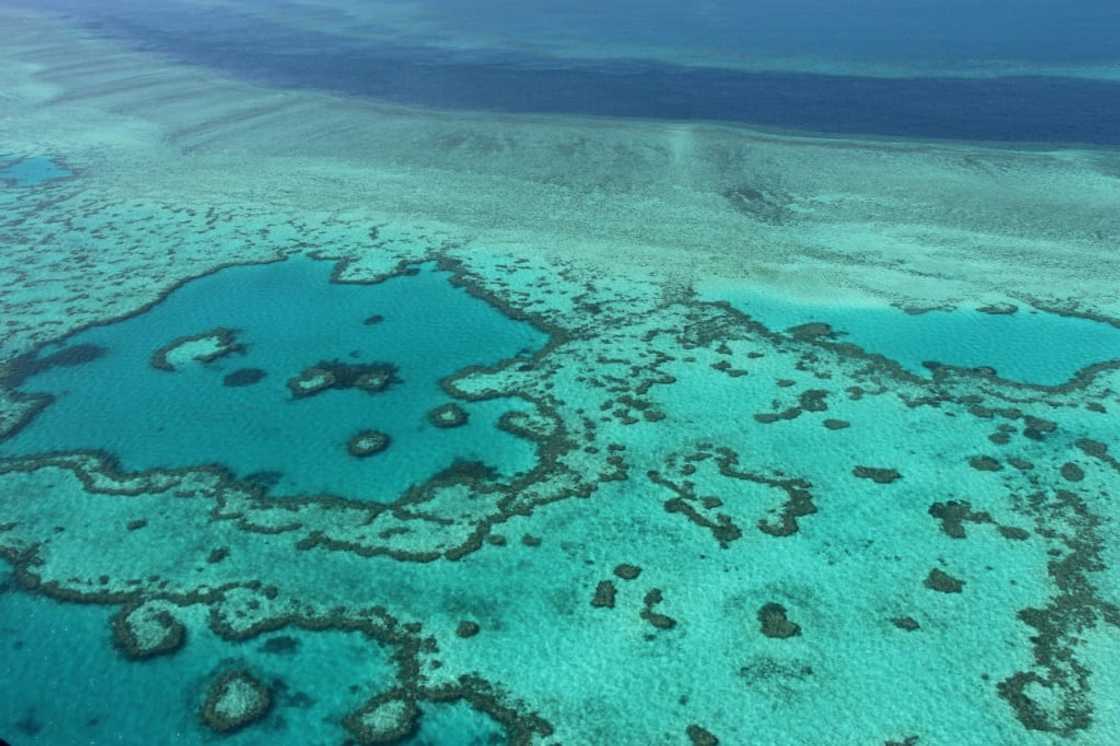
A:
[667,513]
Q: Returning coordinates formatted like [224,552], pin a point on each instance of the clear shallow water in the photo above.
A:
[1028,346]
[289,316]
[29,172]
[455,724]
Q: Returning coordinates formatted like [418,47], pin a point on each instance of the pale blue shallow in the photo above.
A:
[1028,346]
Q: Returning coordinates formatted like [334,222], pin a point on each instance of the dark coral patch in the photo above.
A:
[836,424]
[311,381]
[768,418]
[1093,448]
[244,377]
[25,366]
[604,595]
[659,621]
[811,330]
[141,636]
[627,572]
[984,463]
[876,474]
[698,736]
[467,629]
[234,700]
[467,471]
[999,309]
[448,415]
[1038,428]
[906,623]
[282,645]
[389,718]
[334,374]
[774,622]
[1014,533]
[1072,472]
[367,443]
[723,528]
[954,514]
[814,400]
[373,380]
[942,582]
[225,343]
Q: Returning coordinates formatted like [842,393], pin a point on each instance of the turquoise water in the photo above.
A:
[719,537]
[316,679]
[709,535]
[289,316]
[29,172]
[455,724]
[1028,346]
[95,694]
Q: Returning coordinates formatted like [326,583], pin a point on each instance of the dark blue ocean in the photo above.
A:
[522,69]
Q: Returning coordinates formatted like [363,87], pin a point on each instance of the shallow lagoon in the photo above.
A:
[94,689]
[316,679]
[1027,346]
[289,316]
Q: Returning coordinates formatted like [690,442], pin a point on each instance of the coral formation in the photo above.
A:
[448,415]
[234,700]
[367,443]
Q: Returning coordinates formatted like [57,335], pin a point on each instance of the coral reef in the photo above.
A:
[234,700]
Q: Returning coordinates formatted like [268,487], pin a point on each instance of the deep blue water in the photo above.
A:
[872,30]
[522,79]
